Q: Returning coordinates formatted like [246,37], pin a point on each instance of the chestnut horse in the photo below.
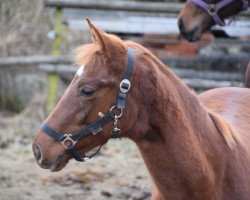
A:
[195,147]
[198,16]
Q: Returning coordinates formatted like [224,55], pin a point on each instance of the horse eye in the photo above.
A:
[87,92]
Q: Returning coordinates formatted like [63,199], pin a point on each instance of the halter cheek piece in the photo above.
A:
[69,140]
[213,9]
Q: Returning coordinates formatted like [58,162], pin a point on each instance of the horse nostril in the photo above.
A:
[181,25]
[37,152]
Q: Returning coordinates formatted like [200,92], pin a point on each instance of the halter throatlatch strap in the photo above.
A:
[69,140]
[213,8]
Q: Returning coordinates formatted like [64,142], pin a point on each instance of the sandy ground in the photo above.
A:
[117,173]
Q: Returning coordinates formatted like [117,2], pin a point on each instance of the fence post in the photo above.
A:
[55,51]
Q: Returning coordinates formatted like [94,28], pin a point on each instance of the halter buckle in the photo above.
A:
[125,86]
[212,9]
[68,142]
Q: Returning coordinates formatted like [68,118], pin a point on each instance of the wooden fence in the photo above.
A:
[138,17]
[129,16]
[133,6]
[233,63]
[198,79]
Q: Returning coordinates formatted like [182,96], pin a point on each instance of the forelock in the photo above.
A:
[85,54]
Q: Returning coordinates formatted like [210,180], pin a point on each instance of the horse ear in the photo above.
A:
[111,45]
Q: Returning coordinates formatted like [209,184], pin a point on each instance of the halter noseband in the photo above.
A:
[213,9]
[69,140]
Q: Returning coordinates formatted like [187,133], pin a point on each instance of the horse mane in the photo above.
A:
[227,131]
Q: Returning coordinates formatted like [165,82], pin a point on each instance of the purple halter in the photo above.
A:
[213,9]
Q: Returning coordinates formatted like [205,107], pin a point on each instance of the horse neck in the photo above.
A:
[175,147]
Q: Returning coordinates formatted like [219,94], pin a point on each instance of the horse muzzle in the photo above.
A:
[52,162]
[191,35]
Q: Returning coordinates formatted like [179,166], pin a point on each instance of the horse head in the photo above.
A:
[77,123]
[198,16]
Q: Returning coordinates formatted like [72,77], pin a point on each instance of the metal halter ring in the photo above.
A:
[212,9]
[68,139]
[116,116]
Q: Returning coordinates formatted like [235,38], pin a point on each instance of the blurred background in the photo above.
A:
[37,39]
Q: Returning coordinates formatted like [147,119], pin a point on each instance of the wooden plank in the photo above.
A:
[198,80]
[149,25]
[164,7]
[34,60]
[57,68]
[154,6]
[234,62]
[239,27]
[183,73]
[201,84]
[130,25]
[117,5]
[208,75]
[75,13]
[229,43]
[220,62]
[127,22]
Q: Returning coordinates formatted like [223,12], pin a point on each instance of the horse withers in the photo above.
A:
[198,16]
[195,147]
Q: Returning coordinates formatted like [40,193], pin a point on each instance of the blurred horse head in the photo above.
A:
[198,16]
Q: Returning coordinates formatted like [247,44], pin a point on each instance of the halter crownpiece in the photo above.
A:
[69,140]
[213,8]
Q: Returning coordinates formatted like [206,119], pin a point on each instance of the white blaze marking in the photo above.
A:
[80,71]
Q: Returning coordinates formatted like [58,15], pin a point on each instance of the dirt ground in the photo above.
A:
[117,173]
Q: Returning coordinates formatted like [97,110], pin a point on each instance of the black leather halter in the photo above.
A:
[69,140]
